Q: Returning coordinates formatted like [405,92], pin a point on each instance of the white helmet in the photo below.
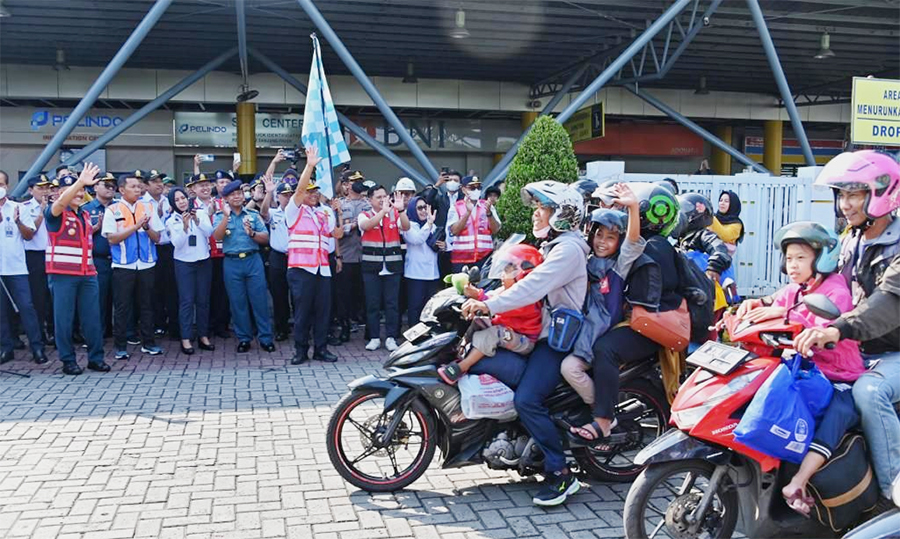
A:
[405,184]
[567,203]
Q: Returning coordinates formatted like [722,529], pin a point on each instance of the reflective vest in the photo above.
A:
[215,246]
[308,239]
[475,241]
[70,249]
[137,246]
[381,245]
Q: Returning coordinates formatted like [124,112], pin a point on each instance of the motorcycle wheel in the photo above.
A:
[355,423]
[618,466]
[665,493]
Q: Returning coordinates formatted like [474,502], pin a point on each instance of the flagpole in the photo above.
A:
[324,109]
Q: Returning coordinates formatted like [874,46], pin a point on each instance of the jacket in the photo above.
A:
[561,278]
[441,202]
[706,241]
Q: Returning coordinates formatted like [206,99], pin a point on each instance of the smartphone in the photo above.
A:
[207,158]
[445,171]
[290,155]
[236,157]
[192,203]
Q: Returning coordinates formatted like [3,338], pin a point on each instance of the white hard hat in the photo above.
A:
[405,184]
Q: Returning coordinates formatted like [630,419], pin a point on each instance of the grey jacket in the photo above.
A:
[561,278]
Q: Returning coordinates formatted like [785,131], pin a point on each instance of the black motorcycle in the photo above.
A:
[383,435]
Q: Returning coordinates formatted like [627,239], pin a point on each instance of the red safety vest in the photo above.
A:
[307,240]
[381,244]
[475,241]
[70,249]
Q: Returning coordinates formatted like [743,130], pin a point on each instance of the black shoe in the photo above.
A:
[301,356]
[71,368]
[556,488]
[334,340]
[243,347]
[209,347]
[345,332]
[19,345]
[101,366]
[40,357]
[268,347]
[324,355]
[50,339]
[187,351]
[223,333]
[78,338]
[6,357]
[280,336]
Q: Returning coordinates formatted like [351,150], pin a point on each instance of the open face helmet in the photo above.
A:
[825,243]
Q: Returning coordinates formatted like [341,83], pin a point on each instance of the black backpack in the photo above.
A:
[700,293]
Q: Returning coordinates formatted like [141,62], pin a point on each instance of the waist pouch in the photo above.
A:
[565,325]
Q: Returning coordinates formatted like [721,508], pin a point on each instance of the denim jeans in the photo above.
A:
[875,393]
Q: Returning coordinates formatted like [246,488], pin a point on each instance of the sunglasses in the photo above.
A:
[421,208]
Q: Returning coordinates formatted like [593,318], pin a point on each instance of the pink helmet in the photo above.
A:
[875,172]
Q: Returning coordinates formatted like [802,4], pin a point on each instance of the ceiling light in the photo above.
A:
[824,48]
[410,77]
[459,31]
[702,89]
[60,64]
[246,94]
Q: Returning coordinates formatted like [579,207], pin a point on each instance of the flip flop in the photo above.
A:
[799,496]
[616,436]
[450,373]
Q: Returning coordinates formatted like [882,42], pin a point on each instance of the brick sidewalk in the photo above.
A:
[224,445]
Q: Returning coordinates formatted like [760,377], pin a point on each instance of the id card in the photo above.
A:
[192,240]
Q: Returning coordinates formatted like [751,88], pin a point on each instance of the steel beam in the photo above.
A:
[242,37]
[781,80]
[367,85]
[714,140]
[93,92]
[141,113]
[346,122]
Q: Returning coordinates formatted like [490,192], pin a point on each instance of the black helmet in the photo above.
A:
[658,206]
[697,210]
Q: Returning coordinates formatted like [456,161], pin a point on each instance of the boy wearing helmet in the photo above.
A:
[515,330]
[695,235]
[810,256]
[866,186]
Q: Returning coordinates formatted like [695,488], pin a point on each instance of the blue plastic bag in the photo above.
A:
[814,387]
[778,422]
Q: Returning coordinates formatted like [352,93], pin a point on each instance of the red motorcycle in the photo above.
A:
[699,481]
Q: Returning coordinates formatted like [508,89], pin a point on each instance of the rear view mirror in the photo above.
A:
[821,306]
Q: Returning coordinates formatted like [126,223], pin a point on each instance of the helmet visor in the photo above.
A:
[505,261]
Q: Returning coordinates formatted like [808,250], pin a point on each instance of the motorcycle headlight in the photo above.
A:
[686,419]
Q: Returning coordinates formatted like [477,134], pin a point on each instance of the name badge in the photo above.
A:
[604,286]
[9,228]
[192,240]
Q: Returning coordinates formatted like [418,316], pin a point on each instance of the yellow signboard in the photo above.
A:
[586,124]
[876,112]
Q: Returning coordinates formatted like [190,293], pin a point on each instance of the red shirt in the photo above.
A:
[527,321]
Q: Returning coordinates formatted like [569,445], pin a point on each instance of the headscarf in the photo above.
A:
[171,197]
[414,218]
[733,213]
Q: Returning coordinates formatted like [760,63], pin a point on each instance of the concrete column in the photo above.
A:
[721,161]
[246,137]
[528,118]
[773,137]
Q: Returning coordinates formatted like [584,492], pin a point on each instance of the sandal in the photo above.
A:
[598,441]
[450,373]
[800,496]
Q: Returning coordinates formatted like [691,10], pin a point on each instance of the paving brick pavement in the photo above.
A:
[224,445]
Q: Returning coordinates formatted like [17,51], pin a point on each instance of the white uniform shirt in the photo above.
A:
[292,212]
[109,227]
[167,211]
[39,241]
[12,245]
[181,240]
[278,230]
[421,261]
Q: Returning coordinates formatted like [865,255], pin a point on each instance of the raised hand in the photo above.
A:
[88,176]
[432,215]
[247,228]
[269,182]
[625,197]
[197,159]
[226,209]
[312,155]
[279,157]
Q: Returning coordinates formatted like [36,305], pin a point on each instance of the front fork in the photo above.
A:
[695,518]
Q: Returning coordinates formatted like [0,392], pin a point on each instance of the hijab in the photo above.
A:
[733,213]
[435,235]
[171,197]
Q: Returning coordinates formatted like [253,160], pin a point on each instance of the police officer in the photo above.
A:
[241,232]
[35,253]
[71,271]
[105,189]
[278,242]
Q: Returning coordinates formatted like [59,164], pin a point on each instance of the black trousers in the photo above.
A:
[220,311]
[350,301]
[617,346]
[40,292]
[312,307]
[127,283]
[165,309]
[281,293]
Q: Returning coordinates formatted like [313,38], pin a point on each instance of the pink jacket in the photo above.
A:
[844,363]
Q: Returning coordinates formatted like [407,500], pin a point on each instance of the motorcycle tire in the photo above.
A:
[644,488]
[599,466]
[355,477]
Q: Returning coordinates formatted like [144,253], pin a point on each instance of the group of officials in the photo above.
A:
[140,257]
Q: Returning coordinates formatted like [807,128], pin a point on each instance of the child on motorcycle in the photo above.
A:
[516,330]
[616,242]
[810,253]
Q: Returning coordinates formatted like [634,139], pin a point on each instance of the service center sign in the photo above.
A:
[220,129]
[876,112]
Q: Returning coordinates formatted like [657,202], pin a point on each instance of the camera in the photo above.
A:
[705,21]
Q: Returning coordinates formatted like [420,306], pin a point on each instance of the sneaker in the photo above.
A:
[390,344]
[556,488]
[151,350]
[122,354]
[373,345]
[133,341]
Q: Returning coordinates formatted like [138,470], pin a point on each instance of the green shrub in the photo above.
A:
[546,153]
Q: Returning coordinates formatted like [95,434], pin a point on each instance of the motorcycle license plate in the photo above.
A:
[415,332]
[718,358]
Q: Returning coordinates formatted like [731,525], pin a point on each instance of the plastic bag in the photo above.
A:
[485,397]
[778,421]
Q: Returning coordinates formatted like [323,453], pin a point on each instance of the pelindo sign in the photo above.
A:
[42,119]
[876,112]
[28,125]
[220,129]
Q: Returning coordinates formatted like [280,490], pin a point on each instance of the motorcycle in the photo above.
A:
[699,481]
[383,434]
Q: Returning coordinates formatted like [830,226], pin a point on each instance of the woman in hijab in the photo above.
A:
[421,263]
[728,226]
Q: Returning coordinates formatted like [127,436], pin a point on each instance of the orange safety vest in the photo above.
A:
[381,244]
[475,241]
[70,249]
[307,239]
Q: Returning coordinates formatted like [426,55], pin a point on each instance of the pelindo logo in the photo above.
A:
[39,119]
[187,128]
[183,128]
[42,117]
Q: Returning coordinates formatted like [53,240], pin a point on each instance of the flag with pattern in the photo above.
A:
[320,124]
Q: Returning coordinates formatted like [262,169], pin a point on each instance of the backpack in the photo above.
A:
[700,293]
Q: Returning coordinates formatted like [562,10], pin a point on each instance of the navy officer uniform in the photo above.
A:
[244,276]
[102,255]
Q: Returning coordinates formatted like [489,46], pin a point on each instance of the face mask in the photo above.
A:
[2,193]
[453,186]
[541,233]
[474,194]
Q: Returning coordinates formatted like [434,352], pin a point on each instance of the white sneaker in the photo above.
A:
[390,344]
[373,345]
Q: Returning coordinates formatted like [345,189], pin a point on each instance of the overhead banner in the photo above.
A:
[586,124]
[29,125]
[220,129]
[875,115]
